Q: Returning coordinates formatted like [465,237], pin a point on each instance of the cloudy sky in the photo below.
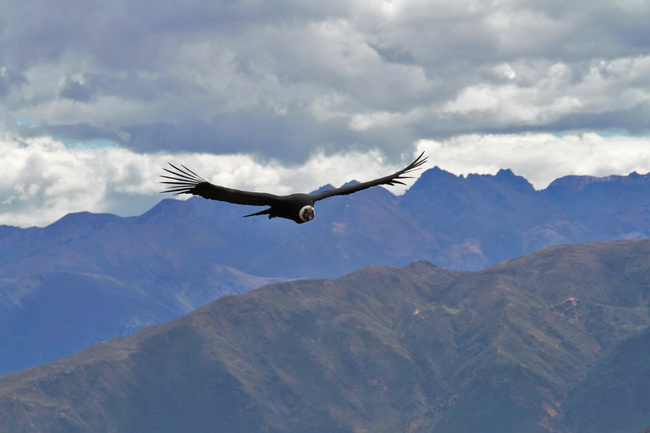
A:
[284,96]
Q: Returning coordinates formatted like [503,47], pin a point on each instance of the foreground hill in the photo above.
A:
[555,341]
[90,277]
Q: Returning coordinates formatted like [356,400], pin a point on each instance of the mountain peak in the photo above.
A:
[433,177]
[441,178]
[519,182]
[324,188]
[505,173]
[81,222]
[573,184]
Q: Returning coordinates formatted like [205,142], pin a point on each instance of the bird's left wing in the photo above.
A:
[392,179]
[185,181]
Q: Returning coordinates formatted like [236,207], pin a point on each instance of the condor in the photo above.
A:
[295,207]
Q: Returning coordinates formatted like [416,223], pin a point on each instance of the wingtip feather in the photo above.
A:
[181,180]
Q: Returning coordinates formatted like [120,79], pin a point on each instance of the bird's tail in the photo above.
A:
[262,212]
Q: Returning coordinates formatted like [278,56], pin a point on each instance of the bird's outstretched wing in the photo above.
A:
[392,179]
[185,181]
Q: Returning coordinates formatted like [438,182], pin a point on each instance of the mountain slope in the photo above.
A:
[527,345]
[88,278]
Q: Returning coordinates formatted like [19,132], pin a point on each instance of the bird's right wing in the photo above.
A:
[185,181]
[395,178]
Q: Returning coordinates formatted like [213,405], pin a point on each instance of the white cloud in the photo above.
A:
[538,95]
[541,158]
[46,179]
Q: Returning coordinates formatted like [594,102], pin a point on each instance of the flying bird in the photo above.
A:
[295,207]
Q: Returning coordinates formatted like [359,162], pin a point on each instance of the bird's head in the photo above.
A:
[307,213]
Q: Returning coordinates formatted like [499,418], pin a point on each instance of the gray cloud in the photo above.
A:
[218,76]
[9,80]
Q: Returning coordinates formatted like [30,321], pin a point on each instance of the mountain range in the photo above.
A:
[554,341]
[89,277]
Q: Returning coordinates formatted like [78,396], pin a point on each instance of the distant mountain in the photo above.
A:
[555,341]
[87,278]
[482,219]
[90,277]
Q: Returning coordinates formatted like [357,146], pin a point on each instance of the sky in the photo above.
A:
[287,96]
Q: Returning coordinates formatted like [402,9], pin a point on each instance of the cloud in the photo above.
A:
[289,82]
[380,75]
[541,158]
[46,179]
